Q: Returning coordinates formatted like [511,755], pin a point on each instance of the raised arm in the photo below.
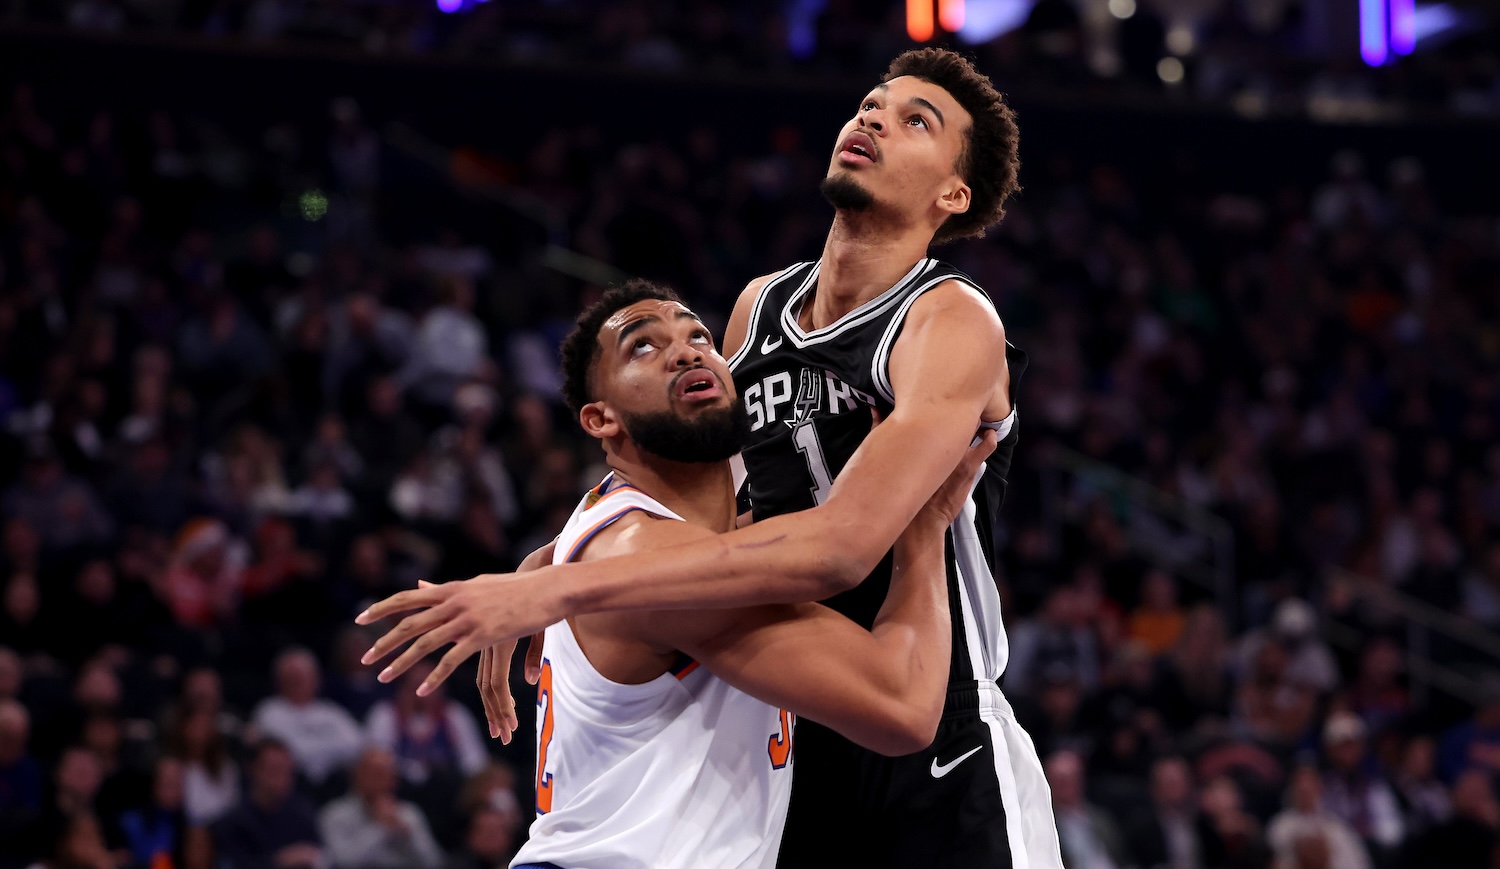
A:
[944,371]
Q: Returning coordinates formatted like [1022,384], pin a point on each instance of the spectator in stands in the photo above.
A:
[450,347]
[489,841]
[1424,801]
[211,778]
[64,509]
[1304,814]
[350,683]
[1231,836]
[1053,636]
[1165,833]
[1353,791]
[1294,626]
[1087,834]
[1470,836]
[1159,620]
[1475,743]
[21,776]
[432,737]
[322,736]
[1272,704]
[202,580]
[1198,669]
[74,840]
[155,833]
[274,825]
[369,828]
[493,788]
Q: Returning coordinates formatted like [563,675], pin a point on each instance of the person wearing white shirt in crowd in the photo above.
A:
[369,828]
[1305,816]
[322,735]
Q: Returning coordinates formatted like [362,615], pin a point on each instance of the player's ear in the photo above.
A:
[598,419]
[955,198]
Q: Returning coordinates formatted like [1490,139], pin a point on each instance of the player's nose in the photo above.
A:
[685,354]
[873,121]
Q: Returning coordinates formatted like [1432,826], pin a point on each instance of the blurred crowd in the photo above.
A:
[1261,56]
[232,418]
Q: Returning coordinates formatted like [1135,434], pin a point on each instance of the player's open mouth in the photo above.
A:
[858,148]
[697,384]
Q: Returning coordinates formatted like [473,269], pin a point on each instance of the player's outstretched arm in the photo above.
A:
[943,372]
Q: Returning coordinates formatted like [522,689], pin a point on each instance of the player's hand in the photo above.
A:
[493,677]
[472,614]
[949,500]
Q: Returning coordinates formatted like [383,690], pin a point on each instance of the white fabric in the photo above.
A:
[322,735]
[675,773]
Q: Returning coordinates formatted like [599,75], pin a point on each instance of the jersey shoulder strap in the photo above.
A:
[769,300]
[604,505]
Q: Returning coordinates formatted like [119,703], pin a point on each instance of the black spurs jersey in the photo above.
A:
[809,397]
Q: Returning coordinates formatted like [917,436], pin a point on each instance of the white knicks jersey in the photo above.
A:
[682,771]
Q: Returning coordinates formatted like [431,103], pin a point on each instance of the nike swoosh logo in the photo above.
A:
[767,345]
[941,769]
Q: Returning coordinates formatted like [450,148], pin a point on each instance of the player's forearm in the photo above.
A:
[913,625]
[798,558]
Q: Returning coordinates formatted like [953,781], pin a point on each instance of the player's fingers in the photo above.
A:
[988,440]
[534,650]
[407,628]
[481,681]
[440,635]
[460,652]
[416,598]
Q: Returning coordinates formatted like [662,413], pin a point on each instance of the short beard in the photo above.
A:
[713,436]
[846,194]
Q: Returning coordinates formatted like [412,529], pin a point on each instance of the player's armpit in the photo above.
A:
[944,368]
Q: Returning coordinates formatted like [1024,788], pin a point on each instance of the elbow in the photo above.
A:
[906,730]
[844,557]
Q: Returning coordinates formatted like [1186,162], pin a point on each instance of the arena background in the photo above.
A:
[281,285]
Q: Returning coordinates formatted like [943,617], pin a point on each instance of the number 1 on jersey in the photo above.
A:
[806,439]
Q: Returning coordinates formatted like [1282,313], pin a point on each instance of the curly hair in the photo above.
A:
[989,162]
[580,350]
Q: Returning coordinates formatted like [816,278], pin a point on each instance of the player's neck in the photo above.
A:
[702,493]
[860,261]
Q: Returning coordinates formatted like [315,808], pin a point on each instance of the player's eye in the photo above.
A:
[869,104]
[640,347]
[917,120]
[701,338]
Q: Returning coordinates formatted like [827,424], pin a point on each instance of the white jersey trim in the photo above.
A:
[867,311]
[755,312]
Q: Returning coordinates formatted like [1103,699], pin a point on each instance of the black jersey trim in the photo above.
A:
[755,312]
[860,315]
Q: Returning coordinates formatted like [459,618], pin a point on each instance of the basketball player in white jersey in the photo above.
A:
[651,750]
[929,156]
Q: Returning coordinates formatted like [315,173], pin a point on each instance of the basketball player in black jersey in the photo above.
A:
[929,156]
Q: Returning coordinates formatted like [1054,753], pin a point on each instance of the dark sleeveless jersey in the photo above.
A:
[809,396]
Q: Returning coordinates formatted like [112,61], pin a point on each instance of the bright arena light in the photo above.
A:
[1180,40]
[1170,69]
[449,5]
[1122,9]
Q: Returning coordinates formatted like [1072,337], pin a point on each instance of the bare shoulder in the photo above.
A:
[639,531]
[739,319]
[958,306]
